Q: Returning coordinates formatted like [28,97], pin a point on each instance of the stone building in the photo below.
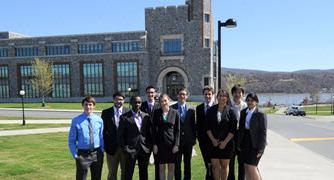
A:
[175,50]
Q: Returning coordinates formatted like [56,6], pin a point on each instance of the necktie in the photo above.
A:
[91,133]
[150,107]
[207,106]
[182,113]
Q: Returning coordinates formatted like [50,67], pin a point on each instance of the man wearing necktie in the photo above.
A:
[135,138]
[202,136]
[187,134]
[85,141]
[111,119]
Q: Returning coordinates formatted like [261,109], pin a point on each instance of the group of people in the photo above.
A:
[225,129]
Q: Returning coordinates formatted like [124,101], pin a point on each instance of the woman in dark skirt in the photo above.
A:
[166,136]
[252,136]
[221,127]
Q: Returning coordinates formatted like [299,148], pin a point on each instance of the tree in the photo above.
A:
[42,79]
[232,79]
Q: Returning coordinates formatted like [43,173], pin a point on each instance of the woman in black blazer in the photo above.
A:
[166,136]
[221,127]
[252,136]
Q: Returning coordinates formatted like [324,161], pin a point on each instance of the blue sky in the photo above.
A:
[275,35]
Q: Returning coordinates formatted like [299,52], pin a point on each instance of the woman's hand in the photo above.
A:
[258,155]
[175,149]
[155,149]
[222,145]
[215,142]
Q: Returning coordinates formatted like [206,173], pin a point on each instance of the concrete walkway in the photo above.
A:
[33,131]
[63,121]
[286,160]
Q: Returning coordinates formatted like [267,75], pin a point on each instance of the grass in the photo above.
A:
[46,156]
[269,110]
[321,110]
[28,118]
[30,126]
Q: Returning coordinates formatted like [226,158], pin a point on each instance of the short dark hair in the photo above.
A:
[253,96]
[132,98]
[237,87]
[183,89]
[149,87]
[118,94]
[89,99]
[208,88]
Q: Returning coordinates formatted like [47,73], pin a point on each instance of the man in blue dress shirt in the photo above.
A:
[85,141]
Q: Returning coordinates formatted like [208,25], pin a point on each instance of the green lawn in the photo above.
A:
[30,126]
[28,118]
[322,110]
[46,156]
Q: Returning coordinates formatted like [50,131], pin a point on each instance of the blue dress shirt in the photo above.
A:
[79,138]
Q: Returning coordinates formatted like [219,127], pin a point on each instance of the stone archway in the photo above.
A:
[172,79]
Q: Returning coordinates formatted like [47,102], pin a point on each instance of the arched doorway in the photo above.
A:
[174,82]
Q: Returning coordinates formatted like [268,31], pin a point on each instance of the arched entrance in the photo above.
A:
[171,80]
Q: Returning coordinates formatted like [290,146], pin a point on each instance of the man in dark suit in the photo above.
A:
[203,139]
[148,107]
[187,134]
[135,138]
[111,120]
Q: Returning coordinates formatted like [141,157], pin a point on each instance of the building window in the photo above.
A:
[4,82]
[26,74]
[3,52]
[26,51]
[206,81]
[61,83]
[57,50]
[92,78]
[172,46]
[214,69]
[207,42]
[125,46]
[127,78]
[90,48]
[207,18]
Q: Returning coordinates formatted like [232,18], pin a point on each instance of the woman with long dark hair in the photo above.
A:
[252,136]
[221,127]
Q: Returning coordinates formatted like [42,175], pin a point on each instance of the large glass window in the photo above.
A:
[57,50]
[172,46]
[4,82]
[26,74]
[90,48]
[61,84]
[26,51]
[92,79]
[207,18]
[3,52]
[125,46]
[127,78]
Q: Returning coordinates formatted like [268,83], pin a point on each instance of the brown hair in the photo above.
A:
[88,99]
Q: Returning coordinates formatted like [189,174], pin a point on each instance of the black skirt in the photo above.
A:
[226,153]
[165,154]
[248,153]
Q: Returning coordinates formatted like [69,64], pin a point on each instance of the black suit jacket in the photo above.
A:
[188,127]
[201,123]
[129,135]
[110,130]
[145,108]
[228,123]
[166,133]
[258,129]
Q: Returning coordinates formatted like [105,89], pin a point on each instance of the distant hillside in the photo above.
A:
[304,81]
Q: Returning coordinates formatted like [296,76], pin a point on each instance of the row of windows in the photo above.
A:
[26,51]
[57,50]
[3,52]
[172,46]
[92,79]
[91,48]
[128,46]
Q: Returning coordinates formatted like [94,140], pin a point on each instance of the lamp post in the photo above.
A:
[129,93]
[230,23]
[22,93]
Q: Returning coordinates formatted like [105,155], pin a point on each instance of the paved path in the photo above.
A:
[33,131]
[64,121]
[287,160]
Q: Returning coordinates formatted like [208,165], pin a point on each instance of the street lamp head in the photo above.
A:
[22,92]
[129,89]
[230,23]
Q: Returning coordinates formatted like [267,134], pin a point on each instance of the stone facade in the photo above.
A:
[194,64]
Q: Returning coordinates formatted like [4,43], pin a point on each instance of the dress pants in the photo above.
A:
[205,150]
[186,151]
[130,162]
[113,162]
[89,159]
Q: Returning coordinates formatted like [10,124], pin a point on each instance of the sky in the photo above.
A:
[274,35]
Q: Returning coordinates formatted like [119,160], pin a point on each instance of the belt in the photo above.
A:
[88,150]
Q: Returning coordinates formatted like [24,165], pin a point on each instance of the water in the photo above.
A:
[283,98]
